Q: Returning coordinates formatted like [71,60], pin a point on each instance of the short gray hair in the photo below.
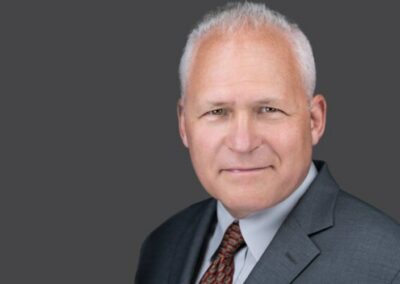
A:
[234,15]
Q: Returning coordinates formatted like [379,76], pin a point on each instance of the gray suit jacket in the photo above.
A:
[329,237]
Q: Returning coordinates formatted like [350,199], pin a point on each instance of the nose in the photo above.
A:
[242,136]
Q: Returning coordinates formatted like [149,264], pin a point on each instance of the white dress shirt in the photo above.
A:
[258,231]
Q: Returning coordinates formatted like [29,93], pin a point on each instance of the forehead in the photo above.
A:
[245,61]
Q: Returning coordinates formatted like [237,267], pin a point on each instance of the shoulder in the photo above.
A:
[362,243]
[352,218]
[367,228]
[180,221]
[158,249]
[165,237]
[352,211]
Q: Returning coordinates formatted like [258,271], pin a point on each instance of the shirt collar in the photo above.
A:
[259,229]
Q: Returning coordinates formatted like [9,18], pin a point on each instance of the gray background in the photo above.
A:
[91,158]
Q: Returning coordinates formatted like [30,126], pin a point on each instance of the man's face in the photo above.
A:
[247,121]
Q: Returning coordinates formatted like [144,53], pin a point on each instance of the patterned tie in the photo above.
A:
[221,269]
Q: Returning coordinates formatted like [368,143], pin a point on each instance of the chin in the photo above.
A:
[242,207]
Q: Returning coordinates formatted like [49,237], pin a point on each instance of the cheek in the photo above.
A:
[291,140]
[204,144]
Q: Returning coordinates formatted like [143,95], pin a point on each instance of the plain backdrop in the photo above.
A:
[91,157]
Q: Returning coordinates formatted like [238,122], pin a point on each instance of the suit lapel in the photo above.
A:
[292,249]
[288,254]
[190,248]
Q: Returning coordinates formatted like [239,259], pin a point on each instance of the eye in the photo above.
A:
[266,109]
[219,111]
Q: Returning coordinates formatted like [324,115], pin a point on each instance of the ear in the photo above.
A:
[181,122]
[318,117]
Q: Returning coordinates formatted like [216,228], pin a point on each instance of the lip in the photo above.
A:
[242,170]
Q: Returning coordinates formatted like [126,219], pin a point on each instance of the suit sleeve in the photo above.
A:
[141,269]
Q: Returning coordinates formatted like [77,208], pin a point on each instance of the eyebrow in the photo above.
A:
[267,101]
[218,103]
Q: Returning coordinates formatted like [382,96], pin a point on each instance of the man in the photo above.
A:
[249,119]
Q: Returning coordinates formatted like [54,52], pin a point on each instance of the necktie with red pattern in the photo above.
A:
[221,269]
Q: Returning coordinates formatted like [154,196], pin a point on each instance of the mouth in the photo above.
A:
[240,170]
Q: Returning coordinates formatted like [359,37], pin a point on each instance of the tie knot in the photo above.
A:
[232,241]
